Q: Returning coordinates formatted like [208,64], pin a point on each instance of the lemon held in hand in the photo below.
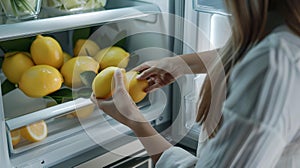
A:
[15,64]
[35,132]
[47,51]
[112,56]
[136,87]
[103,83]
[72,69]
[40,80]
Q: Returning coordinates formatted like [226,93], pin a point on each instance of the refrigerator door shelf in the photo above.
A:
[46,113]
[62,126]
[66,133]
[210,6]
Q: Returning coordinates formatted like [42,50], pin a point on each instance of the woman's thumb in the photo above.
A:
[118,78]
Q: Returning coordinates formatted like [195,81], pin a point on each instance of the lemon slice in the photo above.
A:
[15,136]
[35,132]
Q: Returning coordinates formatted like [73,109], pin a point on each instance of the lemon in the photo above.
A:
[13,53]
[40,80]
[112,56]
[67,57]
[35,132]
[15,64]
[84,112]
[15,136]
[136,87]
[84,47]
[103,83]
[47,51]
[72,69]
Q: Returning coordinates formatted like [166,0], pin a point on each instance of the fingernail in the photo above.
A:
[118,72]
[139,76]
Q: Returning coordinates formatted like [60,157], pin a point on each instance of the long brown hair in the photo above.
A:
[249,20]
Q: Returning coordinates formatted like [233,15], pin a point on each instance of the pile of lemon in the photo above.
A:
[34,133]
[36,73]
[47,67]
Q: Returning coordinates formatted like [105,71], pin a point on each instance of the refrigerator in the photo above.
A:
[148,30]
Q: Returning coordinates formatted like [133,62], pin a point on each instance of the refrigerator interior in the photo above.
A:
[137,27]
[146,30]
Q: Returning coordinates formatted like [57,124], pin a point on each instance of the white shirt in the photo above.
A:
[261,113]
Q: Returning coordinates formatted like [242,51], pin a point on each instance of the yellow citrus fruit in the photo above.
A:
[84,112]
[112,56]
[40,80]
[15,64]
[12,53]
[72,69]
[103,83]
[15,136]
[84,47]
[136,87]
[67,57]
[35,132]
[46,51]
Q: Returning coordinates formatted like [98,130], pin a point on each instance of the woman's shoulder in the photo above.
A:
[278,53]
[281,42]
[267,77]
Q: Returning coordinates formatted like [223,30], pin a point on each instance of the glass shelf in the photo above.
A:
[115,10]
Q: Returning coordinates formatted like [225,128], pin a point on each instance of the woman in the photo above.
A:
[260,114]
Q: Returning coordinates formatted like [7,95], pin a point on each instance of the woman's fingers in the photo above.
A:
[141,68]
[93,99]
[120,89]
[147,73]
[159,81]
[152,87]
[101,103]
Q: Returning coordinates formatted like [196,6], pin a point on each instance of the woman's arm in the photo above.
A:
[164,71]
[153,142]
[199,62]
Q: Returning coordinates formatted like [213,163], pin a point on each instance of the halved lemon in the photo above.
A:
[15,136]
[35,132]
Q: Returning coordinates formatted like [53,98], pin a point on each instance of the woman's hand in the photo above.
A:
[160,72]
[121,107]
[165,71]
